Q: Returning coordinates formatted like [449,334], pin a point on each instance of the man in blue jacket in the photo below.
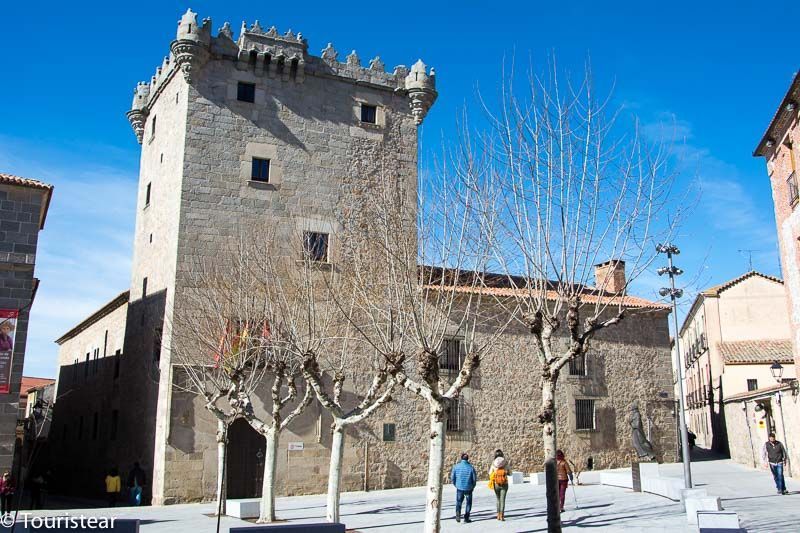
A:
[464,478]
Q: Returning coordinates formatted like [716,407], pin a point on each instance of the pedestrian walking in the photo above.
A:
[7,490]
[564,476]
[498,481]
[773,454]
[137,480]
[464,478]
[113,487]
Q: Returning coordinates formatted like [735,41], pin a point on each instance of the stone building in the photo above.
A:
[23,208]
[731,335]
[239,132]
[777,148]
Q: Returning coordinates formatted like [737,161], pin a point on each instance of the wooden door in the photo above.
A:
[245,468]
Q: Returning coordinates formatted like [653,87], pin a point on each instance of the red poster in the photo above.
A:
[8,329]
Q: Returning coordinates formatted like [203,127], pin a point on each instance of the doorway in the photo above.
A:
[245,468]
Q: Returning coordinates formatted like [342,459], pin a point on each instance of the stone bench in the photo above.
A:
[244,509]
[718,521]
[693,493]
[669,487]
[693,505]
[617,479]
[516,478]
[537,478]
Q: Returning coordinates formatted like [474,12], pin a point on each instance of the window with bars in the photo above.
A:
[752,384]
[577,366]
[369,114]
[451,357]
[456,416]
[791,182]
[389,432]
[584,415]
[315,246]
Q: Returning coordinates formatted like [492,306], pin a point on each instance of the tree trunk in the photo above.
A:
[548,419]
[335,473]
[268,486]
[433,503]
[222,443]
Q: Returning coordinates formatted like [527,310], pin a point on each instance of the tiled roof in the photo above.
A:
[10,179]
[715,290]
[752,394]
[29,383]
[757,351]
[25,182]
[589,297]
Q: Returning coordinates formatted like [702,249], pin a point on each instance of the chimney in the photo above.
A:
[610,276]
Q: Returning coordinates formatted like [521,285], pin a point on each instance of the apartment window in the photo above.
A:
[260,170]
[791,182]
[451,356]
[114,423]
[752,384]
[147,195]
[315,246]
[246,92]
[369,114]
[389,432]
[95,427]
[117,356]
[456,415]
[577,366]
[584,415]
[144,287]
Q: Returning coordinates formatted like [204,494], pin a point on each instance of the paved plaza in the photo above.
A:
[744,490]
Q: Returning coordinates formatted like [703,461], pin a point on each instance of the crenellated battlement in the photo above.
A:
[275,55]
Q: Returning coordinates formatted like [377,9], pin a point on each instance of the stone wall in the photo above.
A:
[20,212]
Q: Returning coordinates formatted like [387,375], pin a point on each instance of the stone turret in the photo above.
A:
[138,113]
[421,88]
[192,43]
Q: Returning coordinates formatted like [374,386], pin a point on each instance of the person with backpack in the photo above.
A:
[564,476]
[464,478]
[498,480]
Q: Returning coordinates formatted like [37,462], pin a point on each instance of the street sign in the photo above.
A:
[295,446]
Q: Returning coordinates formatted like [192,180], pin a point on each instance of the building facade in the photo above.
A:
[242,132]
[23,208]
[732,334]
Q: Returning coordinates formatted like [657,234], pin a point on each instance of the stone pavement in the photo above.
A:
[744,490]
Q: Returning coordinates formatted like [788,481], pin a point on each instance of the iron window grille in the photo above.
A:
[577,366]
[752,384]
[246,92]
[791,181]
[584,415]
[260,170]
[315,246]
[451,357]
[456,416]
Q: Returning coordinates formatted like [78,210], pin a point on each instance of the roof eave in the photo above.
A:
[769,133]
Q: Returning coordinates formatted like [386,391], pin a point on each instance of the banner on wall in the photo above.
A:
[8,330]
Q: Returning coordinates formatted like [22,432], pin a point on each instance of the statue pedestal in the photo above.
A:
[636,476]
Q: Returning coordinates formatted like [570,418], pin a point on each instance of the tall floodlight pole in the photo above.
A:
[674,294]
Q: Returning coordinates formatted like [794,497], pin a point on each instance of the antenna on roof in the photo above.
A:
[749,257]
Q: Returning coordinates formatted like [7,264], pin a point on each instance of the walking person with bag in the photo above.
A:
[498,481]
[464,478]
[564,476]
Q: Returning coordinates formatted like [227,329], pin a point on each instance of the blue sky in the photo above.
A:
[713,71]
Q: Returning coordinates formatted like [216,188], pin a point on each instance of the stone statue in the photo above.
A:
[642,446]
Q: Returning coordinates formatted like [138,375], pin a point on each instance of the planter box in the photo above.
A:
[243,508]
[693,505]
[717,521]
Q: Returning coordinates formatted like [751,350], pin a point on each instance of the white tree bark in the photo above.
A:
[335,473]
[548,419]
[222,441]
[268,485]
[433,500]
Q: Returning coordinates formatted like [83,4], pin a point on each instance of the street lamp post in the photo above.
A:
[674,294]
[777,372]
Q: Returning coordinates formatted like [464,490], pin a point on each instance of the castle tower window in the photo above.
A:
[153,128]
[584,415]
[260,171]
[315,246]
[144,287]
[147,195]
[389,432]
[246,92]
[369,114]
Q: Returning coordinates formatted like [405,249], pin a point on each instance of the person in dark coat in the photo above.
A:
[137,480]
[7,489]
[774,455]
[464,478]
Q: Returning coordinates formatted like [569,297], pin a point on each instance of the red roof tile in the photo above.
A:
[764,351]
[10,179]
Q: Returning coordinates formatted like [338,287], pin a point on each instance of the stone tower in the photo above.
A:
[235,131]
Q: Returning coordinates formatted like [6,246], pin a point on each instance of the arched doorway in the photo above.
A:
[245,468]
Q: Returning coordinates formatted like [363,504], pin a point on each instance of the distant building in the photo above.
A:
[31,390]
[730,337]
[23,208]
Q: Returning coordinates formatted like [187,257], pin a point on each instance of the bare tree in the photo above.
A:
[226,345]
[576,187]
[415,264]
